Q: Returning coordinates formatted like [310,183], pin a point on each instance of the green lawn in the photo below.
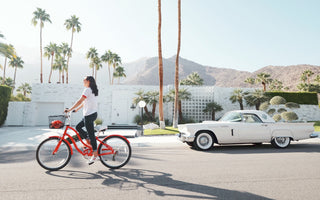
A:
[168,131]
[317,126]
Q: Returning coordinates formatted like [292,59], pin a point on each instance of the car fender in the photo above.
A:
[282,133]
[215,139]
[65,141]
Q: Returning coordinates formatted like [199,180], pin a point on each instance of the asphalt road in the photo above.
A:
[171,171]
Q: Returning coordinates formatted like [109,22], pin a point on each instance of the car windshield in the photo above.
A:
[231,117]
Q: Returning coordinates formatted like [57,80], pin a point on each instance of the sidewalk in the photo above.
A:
[31,137]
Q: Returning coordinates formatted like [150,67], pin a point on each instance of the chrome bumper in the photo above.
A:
[314,135]
[182,137]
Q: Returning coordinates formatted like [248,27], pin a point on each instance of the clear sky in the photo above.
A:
[239,34]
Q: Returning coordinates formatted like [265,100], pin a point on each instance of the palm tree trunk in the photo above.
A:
[154,105]
[49,81]
[264,86]
[241,105]
[180,111]
[14,78]
[147,111]
[64,57]
[176,78]
[213,115]
[60,76]
[161,120]
[67,70]
[109,73]
[4,71]
[112,74]
[41,74]
[95,74]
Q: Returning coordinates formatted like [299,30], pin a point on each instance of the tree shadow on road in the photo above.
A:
[17,156]
[157,183]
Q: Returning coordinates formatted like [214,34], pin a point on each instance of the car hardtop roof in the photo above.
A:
[262,115]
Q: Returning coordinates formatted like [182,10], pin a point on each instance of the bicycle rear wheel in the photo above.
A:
[50,161]
[121,152]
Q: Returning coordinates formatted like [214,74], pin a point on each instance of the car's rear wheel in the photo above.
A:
[280,142]
[203,141]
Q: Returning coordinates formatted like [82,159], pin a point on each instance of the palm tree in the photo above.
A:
[25,89]
[66,51]
[184,94]
[116,60]
[255,98]
[237,96]
[49,52]
[16,62]
[8,82]
[317,79]
[96,65]
[60,64]
[250,80]
[7,51]
[73,24]
[276,85]
[141,96]
[213,107]
[107,58]
[264,79]
[192,79]
[42,16]
[119,72]
[91,54]
[307,74]
[176,77]
[153,98]
[161,120]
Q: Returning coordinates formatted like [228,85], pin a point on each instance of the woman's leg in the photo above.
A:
[89,123]
[79,127]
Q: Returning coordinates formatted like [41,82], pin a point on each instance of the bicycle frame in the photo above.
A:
[88,151]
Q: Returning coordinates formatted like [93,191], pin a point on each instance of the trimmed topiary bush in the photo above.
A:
[309,98]
[292,105]
[277,100]
[5,93]
[264,106]
[271,111]
[281,110]
[277,117]
[289,116]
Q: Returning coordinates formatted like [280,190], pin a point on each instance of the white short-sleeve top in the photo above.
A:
[90,104]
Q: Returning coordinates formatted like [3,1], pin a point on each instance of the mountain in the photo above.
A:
[145,72]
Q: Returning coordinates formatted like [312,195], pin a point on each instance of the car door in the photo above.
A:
[252,129]
[225,132]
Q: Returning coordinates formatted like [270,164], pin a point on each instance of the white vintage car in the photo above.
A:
[244,126]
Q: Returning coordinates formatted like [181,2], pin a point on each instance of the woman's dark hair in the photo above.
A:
[93,85]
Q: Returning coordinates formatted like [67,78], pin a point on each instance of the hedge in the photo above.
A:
[310,98]
[5,93]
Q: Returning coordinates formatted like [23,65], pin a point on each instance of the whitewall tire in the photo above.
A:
[280,142]
[203,141]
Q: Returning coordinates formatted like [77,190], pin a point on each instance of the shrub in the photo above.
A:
[19,97]
[289,116]
[98,121]
[277,100]
[5,93]
[309,98]
[277,117]
[292,105]
[271,111]
[264,106]
[281,110]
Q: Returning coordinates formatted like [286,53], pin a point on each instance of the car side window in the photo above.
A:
[251,118]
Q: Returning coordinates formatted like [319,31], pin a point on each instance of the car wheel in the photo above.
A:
[203,141]
[280,142]
[191,144]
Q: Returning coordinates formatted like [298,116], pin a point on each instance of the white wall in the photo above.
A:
[115,102]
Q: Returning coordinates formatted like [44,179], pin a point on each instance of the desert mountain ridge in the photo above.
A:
[145,72]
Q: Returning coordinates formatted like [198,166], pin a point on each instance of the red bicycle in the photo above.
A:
[55,152]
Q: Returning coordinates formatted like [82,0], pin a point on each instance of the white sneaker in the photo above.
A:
[92,159]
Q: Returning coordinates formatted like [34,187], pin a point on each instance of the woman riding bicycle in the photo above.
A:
[89,102]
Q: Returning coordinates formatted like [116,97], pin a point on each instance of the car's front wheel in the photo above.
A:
[203,141]
[280,142]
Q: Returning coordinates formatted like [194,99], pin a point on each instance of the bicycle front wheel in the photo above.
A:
[50,161]
[114,152]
